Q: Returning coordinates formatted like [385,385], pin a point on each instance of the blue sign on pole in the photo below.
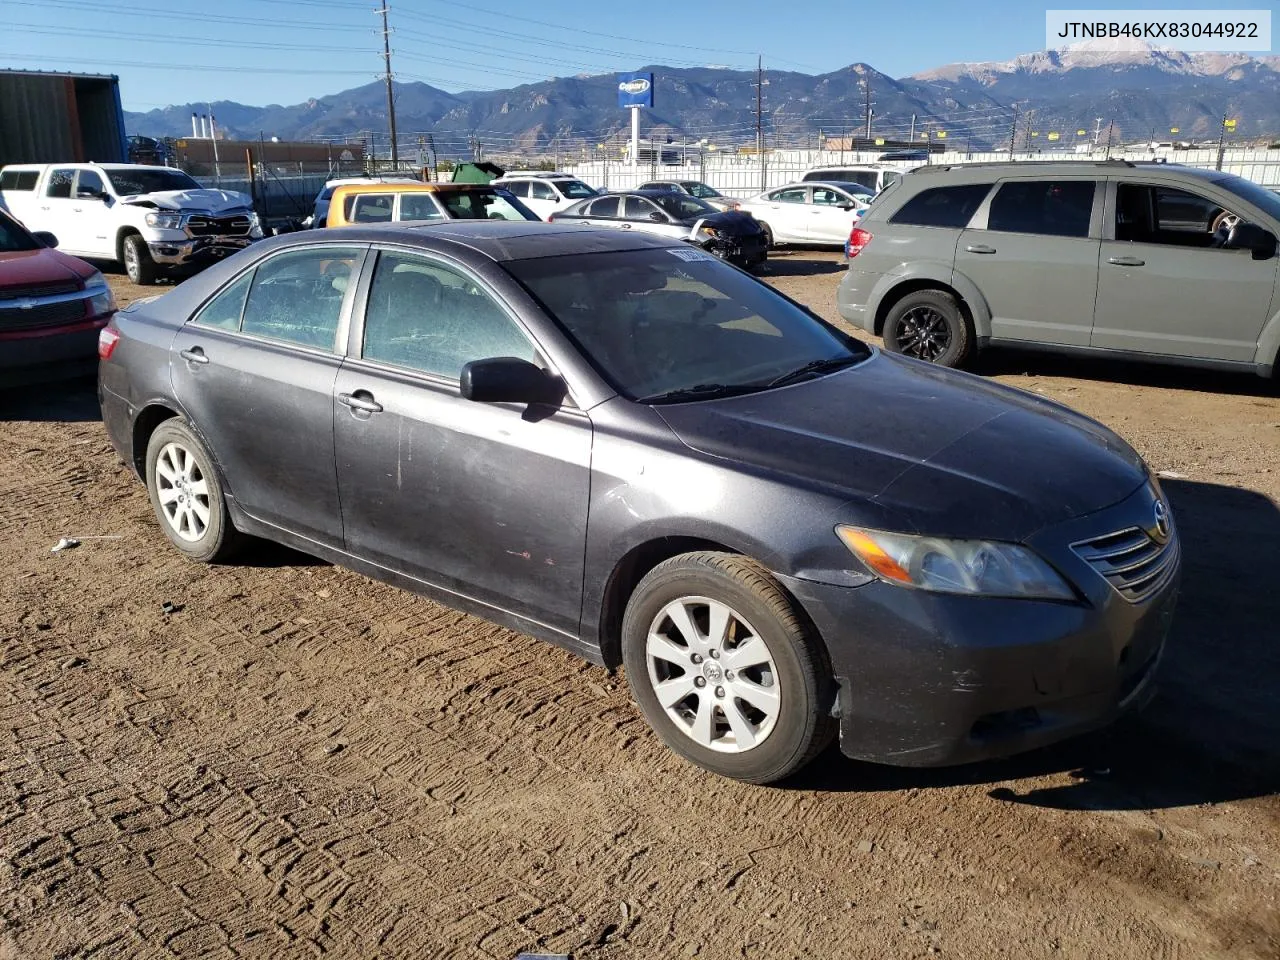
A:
[635,89]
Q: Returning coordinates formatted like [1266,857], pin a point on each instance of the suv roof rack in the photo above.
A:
[1023,163]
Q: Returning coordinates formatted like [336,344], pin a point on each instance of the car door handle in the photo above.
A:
[194,355]
[625,226]
[1127,261]
[361,400]
[979,248]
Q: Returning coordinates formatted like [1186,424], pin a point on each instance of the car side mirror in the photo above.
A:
[90,195]
[45,239]
[657,217]
[846,206]
[1250,236]
[509,380]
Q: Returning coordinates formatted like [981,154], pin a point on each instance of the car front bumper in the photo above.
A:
[929,679]
[745,250]
[53,353]
[196,252]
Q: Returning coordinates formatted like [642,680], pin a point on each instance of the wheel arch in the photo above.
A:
[971,302]
[121,235]
[627,574]
[145,423]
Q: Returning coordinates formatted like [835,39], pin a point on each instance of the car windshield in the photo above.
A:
[1268,200]
[13,238]
[682,206]
[484,205]
[129,182]
[701,190]
[575,189]
[671,324]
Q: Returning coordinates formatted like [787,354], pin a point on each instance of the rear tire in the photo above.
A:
[138,265]
[186,495]
[929,325]
[726,669]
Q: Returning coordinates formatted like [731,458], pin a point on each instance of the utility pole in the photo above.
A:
[1222,142]
[866,82]
[764,185]
[1097,131]
[1110,127]
[391,100]
[912,137]
[1013,131]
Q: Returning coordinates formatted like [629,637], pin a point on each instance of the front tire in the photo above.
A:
[186,495]
[768,236]
[726,669]
[928,325]
[138,265]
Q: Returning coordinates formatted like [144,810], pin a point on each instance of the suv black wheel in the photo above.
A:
[725,668]
[928,325]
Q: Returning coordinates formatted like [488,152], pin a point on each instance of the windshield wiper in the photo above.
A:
[814,368]
[703,391]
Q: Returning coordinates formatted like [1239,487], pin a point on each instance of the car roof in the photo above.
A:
[498,240]
[342,181]
[869,167]
[536,175]
[414,186]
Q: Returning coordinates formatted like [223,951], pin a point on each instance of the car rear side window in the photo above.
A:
[1054,208]
[541,191]
[419,206]
[517,188]
[224,310]
[297,296]
[371,208]
[429,317]
[942,206]
[607,207]
[19,180]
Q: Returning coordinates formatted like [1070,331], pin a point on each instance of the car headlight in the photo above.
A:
[975,567]
[255,226]
[708,233]
[164,220]
[101,299]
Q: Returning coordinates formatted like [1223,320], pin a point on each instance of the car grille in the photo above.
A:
[41,315]
[200,225]
[1131,561]
[44,290]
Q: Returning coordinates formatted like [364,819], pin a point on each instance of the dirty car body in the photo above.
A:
[544,516]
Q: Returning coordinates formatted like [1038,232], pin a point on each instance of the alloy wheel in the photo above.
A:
[713,674]
[923,333]
[183,492]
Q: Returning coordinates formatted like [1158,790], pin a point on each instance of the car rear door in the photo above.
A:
[485,500]
[787,213]
[1163,288]
[255,372]
[605,212]
[54,212]
[1032,251]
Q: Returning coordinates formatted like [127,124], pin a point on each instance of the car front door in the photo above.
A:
[647,217]
[1032,252]
[484,500]
[1166,288]
[787,213]
[829,222]
[255,370]
[94,225]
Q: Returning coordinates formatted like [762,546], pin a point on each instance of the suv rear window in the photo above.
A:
[943,206]
[1054,208]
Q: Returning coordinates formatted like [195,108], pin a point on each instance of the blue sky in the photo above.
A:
[285,51]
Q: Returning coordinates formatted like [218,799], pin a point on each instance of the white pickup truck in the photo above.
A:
[151,219]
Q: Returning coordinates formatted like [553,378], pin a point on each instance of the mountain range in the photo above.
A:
[1142,91]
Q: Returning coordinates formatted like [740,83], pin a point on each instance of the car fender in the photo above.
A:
[1268,353]
[940,274]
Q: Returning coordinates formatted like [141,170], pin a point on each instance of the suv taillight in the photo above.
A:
[107,340]
[858,241]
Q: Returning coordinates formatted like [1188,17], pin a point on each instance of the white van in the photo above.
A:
[873,176]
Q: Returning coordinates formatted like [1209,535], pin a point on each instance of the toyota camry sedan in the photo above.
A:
[622,445]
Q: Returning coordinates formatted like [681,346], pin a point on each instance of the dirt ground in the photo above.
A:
[298,761]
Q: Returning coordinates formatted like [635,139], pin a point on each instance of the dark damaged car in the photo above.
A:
[619,444]
[733,236]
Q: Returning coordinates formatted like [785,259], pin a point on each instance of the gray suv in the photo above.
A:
[1143,260]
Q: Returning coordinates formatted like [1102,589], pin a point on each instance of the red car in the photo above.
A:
[51,308]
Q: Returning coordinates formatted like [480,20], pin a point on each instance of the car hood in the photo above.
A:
[214,201]
[38,268]
[731,222]
[940,452]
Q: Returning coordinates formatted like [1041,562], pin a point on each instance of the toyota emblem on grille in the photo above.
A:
[1163,527]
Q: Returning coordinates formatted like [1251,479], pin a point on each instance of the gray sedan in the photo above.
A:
[621,445]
